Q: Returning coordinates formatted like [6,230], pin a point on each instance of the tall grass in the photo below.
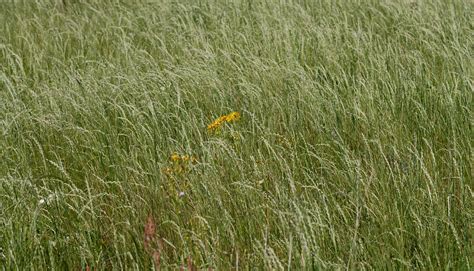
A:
[354,149]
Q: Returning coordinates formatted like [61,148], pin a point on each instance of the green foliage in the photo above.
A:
[353,149]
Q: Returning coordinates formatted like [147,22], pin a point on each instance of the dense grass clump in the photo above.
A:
[350,145]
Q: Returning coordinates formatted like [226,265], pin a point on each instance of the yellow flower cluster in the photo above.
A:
[176,174]
[176,158]
[234,116]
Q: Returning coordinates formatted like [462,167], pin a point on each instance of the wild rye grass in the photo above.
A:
[353,149]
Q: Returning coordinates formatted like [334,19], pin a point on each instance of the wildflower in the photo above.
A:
[217,123]
[181,194]
[175,157]
[234,116]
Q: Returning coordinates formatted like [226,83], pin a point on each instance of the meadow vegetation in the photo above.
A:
[246,134]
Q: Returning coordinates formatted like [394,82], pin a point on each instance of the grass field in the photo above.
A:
[350,145]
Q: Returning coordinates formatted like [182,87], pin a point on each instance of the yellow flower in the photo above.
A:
[234,116]
[174,157]
[215,124]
